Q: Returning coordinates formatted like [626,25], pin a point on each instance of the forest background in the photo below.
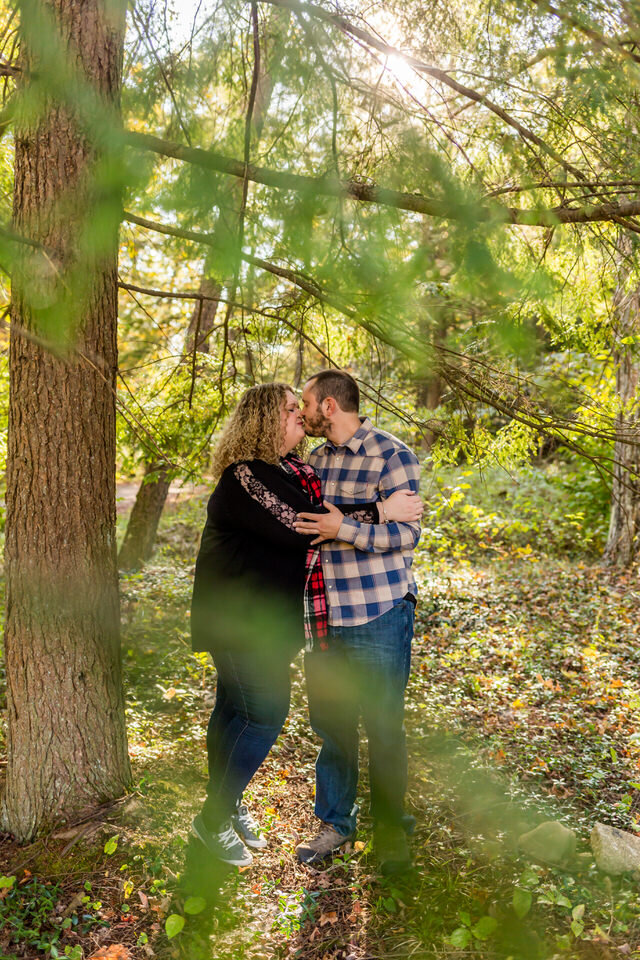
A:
[442,198]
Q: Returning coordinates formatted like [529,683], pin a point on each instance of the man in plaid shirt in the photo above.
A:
[371,595]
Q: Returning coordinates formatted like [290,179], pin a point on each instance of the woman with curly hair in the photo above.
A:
[258,591]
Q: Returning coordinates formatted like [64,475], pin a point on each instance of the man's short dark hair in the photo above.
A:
[337,384]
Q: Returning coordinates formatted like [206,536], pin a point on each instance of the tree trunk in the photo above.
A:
[145,516]
[623,541]
[226,227]
[203,317]
[430,386]
[299,368]
[142,528]
[67,747]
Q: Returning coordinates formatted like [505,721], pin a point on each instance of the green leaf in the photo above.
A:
[194,905]
[529,878]
[111,845]
[173,925]
[562,901]
[484,928]
[521,901]
[460,938]
[578,912]
[577,928]
[6,882]
[389,904]
[465,917]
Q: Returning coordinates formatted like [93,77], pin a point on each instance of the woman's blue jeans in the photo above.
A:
[252,703]
[363,674]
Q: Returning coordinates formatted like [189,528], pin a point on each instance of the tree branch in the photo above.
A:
[453,366]
[596,38]
[351,29]
[293,276]
[372,193]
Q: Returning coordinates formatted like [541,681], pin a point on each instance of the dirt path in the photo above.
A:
[126,492]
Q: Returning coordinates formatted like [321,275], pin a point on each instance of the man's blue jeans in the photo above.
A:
[363,674]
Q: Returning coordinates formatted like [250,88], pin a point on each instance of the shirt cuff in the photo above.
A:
[349,530]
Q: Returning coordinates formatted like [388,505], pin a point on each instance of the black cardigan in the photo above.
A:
[249,549]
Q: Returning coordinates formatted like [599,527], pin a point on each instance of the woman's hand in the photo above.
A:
[403,506]
[324,526]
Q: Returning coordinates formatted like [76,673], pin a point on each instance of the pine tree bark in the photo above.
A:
[623,541]
[67,747]
[146,512]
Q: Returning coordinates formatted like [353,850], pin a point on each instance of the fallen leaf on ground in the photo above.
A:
[115,951]
[330,917]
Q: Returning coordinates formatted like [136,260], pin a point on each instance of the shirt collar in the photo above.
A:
[355,442]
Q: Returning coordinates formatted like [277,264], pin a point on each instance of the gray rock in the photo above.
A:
[551,842]
[616,851]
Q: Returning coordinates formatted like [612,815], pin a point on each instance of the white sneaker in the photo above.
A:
[248,828]
[225,845]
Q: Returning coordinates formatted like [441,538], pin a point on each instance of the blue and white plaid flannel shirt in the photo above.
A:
[367,569]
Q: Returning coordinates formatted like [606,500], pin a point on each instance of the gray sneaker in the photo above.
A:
[248,828]
[322,846]
[225,845]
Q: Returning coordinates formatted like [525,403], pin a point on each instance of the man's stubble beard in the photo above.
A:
[317,425]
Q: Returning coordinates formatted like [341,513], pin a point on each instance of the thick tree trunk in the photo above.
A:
[623,541]
[142,528]
[145,515]
[67,747]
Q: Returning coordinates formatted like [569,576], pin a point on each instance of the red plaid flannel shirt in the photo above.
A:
[316,614]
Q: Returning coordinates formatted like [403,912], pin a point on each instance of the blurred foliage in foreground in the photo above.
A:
[523,706]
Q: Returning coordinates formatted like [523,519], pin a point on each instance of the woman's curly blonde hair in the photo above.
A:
[254,429]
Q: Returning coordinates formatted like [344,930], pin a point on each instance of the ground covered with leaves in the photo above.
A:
[523,706]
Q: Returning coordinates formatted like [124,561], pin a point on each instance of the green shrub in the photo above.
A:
[557,509]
